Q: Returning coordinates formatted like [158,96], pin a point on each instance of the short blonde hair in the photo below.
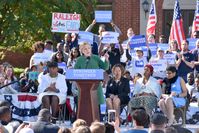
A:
[82,45]
[79,122]
[97,127]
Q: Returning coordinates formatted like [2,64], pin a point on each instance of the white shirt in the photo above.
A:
[152,86]
[39,57]
[138,65]
[60,83]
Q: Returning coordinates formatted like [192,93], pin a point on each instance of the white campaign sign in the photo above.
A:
[110,37]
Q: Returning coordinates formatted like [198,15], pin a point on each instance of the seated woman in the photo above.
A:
[52,88]
[146,92]
[117,89]
[174,90]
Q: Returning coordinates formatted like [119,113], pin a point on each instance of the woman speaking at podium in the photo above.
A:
[90,61]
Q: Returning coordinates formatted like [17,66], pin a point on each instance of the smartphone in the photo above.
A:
[111,115]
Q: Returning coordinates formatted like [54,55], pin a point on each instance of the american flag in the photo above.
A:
[195,26]
[152,20]
[177,31]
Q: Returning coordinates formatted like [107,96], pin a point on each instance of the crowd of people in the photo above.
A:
[130,80]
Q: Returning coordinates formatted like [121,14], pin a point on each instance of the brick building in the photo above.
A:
[130,13]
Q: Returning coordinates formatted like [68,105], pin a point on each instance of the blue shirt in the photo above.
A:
[135,131]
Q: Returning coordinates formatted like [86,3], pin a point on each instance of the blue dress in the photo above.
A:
[176,87]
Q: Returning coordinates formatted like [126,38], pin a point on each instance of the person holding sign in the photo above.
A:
[101,29]
[90,61]
[139,61]
[173,47]
[151,38]
[39,55]
[159,64]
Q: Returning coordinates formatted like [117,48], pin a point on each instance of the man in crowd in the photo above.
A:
[185,61]
[158,123]
[43,123]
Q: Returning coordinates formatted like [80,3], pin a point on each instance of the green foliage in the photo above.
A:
[18,71]
[25,21]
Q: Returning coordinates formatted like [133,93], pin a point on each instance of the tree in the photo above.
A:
[25,21]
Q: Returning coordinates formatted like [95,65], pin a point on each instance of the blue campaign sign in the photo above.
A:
[164,46]
[192,43]
[137,41]
[103,16]
[84,74]
[153,47]
[85,37]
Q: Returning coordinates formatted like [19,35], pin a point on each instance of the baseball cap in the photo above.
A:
[158,119]
[160,49]
[138,49]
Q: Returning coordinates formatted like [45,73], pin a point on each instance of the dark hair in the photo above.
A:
[4,103]
[12,76]
[62,54]
[38,44]
[4,110]
[52,64]
[71,52]
[170,130]
[120,66]
[137,75]
[49,42]
[109,128]
[141,117]
[172,69]
[185,41]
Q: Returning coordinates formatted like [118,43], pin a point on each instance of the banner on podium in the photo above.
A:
[85,74]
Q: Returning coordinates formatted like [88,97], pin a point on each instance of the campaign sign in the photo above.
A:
[103,16]
[137,41]
[84,74]
[33,75]
[164,46]
[85,37]
[157,66]
[170,58]
[124,46]
[110,37]
[153,47]
[65,22]
[192,43]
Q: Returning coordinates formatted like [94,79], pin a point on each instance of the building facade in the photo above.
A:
[130,13]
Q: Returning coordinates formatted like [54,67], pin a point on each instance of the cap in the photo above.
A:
[158,119]
[138,49]
[160,49]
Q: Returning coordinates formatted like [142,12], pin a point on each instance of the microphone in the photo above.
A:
[87,60]
[11,83]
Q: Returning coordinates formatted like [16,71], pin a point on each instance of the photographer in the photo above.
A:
[27,84]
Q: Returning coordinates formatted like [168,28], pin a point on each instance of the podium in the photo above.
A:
[87,81]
